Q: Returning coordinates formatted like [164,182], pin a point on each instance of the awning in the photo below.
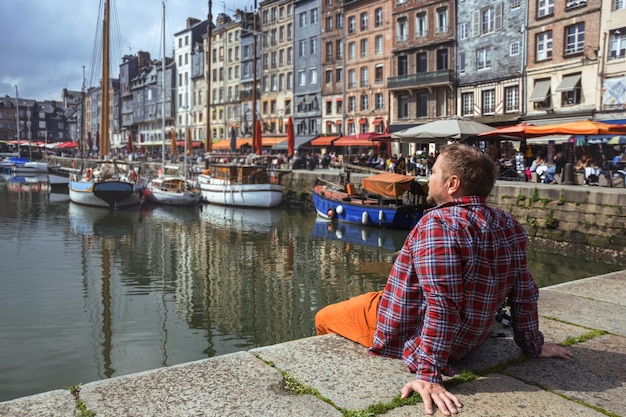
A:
[363,121]
[298,142]
[339,122]
[353,140]
[568,83]
[273,140]
[350,121]
[542,88]
[377,121]
[224,144]
[324,140]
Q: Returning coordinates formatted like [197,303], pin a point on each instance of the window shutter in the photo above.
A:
[498,16]
[475,24]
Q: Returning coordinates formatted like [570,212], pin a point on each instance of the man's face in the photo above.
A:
[437,187]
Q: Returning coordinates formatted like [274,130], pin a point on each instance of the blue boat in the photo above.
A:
[391,240]
[386,200]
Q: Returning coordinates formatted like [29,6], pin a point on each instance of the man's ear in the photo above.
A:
[454,184]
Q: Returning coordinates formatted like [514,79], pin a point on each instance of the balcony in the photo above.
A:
[422,79]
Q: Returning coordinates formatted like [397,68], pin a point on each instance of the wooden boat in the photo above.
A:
[172,190]
[242,185]
[104,187]
[384,201]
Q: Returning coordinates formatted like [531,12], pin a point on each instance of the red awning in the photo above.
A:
[377,121]
[338,122]
[324,141]
[363,121]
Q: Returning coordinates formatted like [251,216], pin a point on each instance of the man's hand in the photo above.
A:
[550,350]
[433,393]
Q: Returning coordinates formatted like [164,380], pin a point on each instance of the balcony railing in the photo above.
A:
[421,79]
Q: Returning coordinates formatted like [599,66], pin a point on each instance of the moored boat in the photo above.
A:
[242,185]
[381,202]
[101,188]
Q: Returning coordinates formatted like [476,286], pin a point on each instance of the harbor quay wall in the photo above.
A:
[589,222]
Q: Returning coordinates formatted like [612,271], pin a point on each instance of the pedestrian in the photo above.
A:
[457,267]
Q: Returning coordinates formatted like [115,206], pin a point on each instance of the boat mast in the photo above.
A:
[163,99]
[104,110]
[207,56]
[17,118]
[82,125]
[254,77]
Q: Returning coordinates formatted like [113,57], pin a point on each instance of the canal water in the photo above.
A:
[88,293]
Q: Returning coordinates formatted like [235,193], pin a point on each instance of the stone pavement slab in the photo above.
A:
[595,375]
[339,369]
[607,287]
[58,403]
[498,395]
[237,384]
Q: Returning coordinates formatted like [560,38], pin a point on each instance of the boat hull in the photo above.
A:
[216,191]
[339,206]
[109,194]
[171,191]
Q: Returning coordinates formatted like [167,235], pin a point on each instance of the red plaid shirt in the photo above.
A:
[454,271]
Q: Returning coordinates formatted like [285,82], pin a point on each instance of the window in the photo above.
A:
[302,21]
[315,17]
[378,17]
[545,8]
[329,51]
[462,62]
[442,59]
[541,97]
[401,29]
[489,101]
[378,74]
[351,78]
[364,77]
[274,83]
[491,18]
[351,104]
[570,4]
[339,106]
[364,21]
[339,45]
[511,99]
[329,76]
[329,23]
[339,20]
[364,47]
[379,101]
[442,20]
[302,48]
[351,50]
[421,62]
[619,5]
[421,109]
[514,49]
[339,75]
[483,58]
[351,25]
[516,4]
[575,38]
[313,75]
[403,106]
[544,45]
[313,46]
[570,89]
[403,65]
[329,107]
[378,41]
[463,31]
[421,25]
[365,102]
[302,77]
[617,44]
[467,102]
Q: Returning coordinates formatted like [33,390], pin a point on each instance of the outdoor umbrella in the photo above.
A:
[258,140]
[130,143]
[617,140]
[89,143]
[519,131]
[291,138]
[441,131]
[581,127]
[233,139]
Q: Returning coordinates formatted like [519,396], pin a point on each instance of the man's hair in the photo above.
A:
[476,170]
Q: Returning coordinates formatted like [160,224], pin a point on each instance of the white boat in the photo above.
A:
[31,167]
[172,190]
[103,187]
[242,185]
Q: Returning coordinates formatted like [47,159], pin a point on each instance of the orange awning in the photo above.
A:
[354,141]
[224,144]
[362,121]
[324,140]
[338,122]
[377,121]
[271,141]
[388,184]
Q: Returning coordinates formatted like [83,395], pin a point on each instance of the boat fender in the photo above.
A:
[89,174]
[339,209]
[133,175]
[146,192]
[206,171]
[381,215]
[330,213]
[364,217]
[364,235]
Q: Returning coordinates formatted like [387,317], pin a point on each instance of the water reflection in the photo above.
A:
[116,292]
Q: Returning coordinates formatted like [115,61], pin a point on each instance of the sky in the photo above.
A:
[48,42]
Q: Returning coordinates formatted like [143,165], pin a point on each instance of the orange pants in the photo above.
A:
[354,319]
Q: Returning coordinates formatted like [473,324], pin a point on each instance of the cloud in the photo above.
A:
[47,43]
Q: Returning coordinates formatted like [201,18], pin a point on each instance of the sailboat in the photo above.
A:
[104,186]
[173,190]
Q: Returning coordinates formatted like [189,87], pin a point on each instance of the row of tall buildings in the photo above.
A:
[368,66]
